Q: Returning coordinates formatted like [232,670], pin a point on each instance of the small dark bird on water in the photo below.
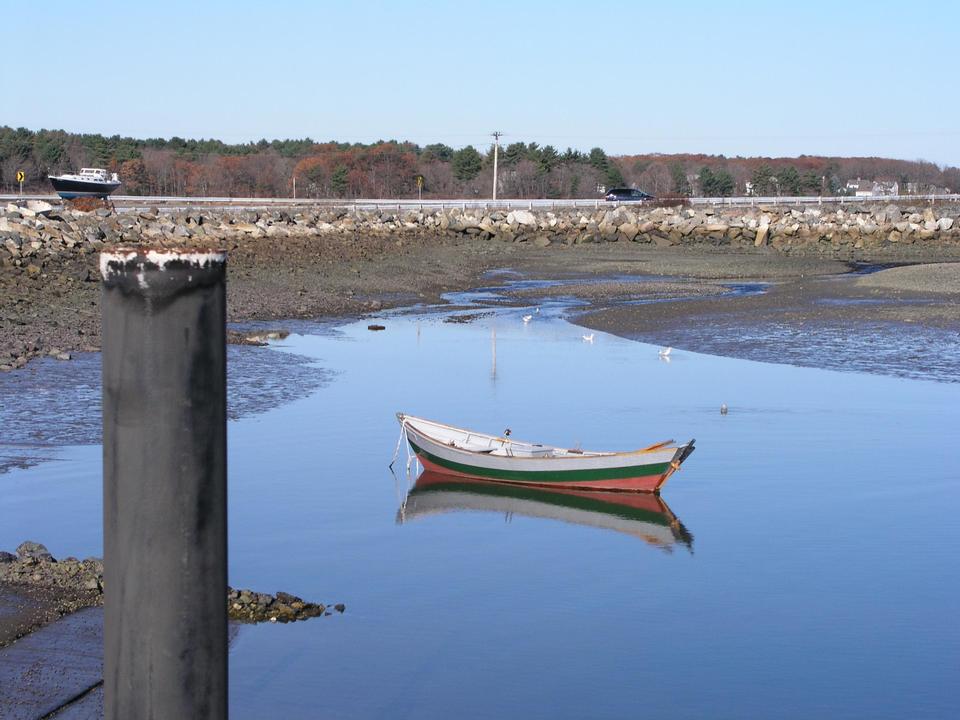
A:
[723,409]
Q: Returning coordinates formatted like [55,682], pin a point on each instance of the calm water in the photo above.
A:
[821,517]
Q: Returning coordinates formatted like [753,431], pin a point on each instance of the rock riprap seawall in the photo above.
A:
[35,232]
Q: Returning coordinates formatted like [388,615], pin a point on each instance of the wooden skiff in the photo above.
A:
[455,451]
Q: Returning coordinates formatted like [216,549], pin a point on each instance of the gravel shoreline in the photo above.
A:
[36,589]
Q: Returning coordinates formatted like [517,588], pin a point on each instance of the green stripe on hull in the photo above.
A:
[548,476]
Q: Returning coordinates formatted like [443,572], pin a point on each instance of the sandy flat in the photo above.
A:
[933,278]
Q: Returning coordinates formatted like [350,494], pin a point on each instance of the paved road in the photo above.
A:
[134,202]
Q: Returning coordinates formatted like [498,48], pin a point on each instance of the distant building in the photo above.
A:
[872,188]
[890,188]
[918,188]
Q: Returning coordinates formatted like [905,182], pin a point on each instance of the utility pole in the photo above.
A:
[294,187]
[496,150]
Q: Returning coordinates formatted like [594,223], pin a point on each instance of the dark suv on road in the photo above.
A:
[627,195]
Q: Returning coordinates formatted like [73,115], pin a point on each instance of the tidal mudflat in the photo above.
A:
[811,577]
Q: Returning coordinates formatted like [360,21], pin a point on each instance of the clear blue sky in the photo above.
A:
[747,78]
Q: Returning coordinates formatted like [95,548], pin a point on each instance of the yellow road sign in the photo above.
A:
[20,176]
[420,181]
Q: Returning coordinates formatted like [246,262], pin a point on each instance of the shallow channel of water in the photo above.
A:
[814,575]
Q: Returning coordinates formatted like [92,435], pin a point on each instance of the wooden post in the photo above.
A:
[164,484]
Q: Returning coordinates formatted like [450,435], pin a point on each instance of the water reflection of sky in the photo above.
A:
[824,509]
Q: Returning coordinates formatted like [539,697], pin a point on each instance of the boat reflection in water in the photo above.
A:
[643,515]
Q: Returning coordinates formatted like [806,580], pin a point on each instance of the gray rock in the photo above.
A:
[629,230]
[30,549]
[91,584]
[521,217]
[40,207]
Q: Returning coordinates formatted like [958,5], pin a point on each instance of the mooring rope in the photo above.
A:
[396,452]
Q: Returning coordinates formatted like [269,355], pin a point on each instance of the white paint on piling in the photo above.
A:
[112,262]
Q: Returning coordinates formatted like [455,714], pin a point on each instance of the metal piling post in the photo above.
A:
[164,484]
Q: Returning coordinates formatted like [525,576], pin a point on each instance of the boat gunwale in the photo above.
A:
[403,418]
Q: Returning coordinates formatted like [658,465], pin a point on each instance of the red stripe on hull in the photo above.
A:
[648,483]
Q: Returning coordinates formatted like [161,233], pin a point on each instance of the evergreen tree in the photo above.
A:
[438,151]
[763,180]
[789,180]
[613,176]
[810,182]
[48,150]
[548,158]
[338,180]
[598,158]
[718,183]
[467,163]
[724,184]
[707,188]
[513,153]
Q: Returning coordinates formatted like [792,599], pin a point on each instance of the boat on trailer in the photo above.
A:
[641,515]
[466,453]
[89,182]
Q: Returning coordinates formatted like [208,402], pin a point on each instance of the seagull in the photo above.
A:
[527,318]
[588,338]
[537,311]
[665,352]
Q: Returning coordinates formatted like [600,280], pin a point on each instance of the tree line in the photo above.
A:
[719,176]
[390,169]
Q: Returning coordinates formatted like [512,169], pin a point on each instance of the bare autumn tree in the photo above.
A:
[655,179]
[159,168]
